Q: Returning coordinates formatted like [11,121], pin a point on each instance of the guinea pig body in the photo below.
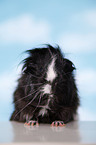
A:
[46,90]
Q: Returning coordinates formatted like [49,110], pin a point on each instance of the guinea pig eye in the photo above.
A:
[68,66]
[73,66]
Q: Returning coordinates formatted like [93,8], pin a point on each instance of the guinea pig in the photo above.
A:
[46,91]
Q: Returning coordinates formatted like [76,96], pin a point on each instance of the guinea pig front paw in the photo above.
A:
[58,123]
[31,123]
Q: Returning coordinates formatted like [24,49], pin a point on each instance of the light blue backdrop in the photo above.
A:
[25,24]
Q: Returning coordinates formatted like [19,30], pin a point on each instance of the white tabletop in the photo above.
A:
[73,133]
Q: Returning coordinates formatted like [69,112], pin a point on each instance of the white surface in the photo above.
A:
[72,133]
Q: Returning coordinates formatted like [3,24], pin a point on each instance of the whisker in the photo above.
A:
[37,84]
[27,104]
[28,95]
[28,80]
[32,84]
[35,76]
[38,103]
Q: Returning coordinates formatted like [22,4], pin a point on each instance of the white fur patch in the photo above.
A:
[42,112]
[47,89]
[51,73]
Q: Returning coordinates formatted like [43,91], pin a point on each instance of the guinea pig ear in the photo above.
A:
[68,66]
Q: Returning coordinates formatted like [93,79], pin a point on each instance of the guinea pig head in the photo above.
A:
[48,67]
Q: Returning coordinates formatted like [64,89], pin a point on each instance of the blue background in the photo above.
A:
[26,24]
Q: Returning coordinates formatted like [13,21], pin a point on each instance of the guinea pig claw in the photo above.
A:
[31,123]
[58,124]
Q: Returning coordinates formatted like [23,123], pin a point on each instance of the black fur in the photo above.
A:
[28,95]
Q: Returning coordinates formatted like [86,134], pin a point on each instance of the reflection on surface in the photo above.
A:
[6,132]
[74,132]
[45,133]
[88,132]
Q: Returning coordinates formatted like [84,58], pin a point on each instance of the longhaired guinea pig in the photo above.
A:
[46,91]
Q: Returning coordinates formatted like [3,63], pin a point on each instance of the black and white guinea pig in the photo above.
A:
[46,91]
